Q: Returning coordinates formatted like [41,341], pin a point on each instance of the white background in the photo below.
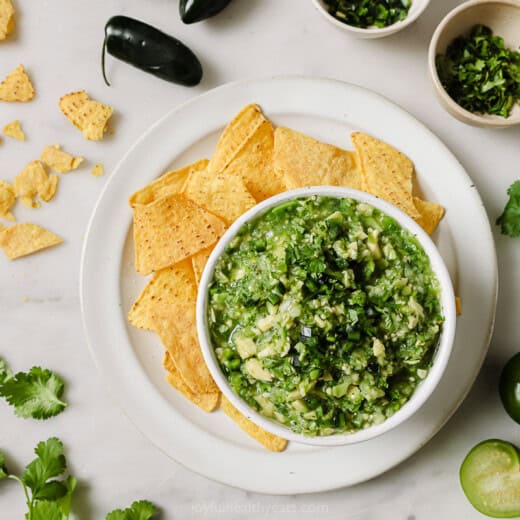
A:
[59,42]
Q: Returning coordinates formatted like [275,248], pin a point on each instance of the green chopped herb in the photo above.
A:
[509,221]
[333,324]
[480,73]
[369,13]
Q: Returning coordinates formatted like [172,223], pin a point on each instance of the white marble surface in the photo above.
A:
[59,42]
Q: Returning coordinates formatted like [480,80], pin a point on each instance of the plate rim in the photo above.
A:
[291,489]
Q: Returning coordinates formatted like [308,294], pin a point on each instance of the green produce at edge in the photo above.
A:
[193,11]
[490,479]
[510,387]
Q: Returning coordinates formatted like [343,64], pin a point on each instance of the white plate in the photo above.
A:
[130,360]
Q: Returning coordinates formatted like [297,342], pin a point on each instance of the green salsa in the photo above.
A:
[324,314]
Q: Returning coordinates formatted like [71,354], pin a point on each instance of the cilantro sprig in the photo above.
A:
[480,73]
[35,394]
[140,510]
[509,221]
[47,497]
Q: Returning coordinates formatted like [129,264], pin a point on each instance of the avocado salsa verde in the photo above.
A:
[324,314]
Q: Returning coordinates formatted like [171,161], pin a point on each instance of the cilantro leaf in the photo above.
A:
[46,510]
[50,462]
[5,373]
[509,221]
[65,502]
[34,394]
[140,510]
[3,469]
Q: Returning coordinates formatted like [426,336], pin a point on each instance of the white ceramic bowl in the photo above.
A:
[423,390]
[503,17]
[416,9]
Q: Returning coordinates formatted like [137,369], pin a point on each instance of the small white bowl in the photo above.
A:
[442,354]
[416,9]
[503,18]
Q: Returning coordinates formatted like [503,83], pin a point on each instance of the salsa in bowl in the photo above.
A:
[326,315]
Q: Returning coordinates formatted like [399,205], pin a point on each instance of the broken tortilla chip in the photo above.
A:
[430,214]
[58,160]
[98,170]
[304,161]
[268,440]
[387,172]
[176,326]
[206,402]
[90,116]
[170,230]
[175,284]
[7,201]
[14,130]
[26,238]
[221,194]
[458,305]
[198,261]
[33,180]
[245,149]
[17,86]
[168,184]
[6,18]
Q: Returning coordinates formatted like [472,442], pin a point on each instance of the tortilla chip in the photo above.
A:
[245,149]
[168,286]
[90,116]
[268,440]
[458,305]
[176,326]
[7,201]
[33,180]
[198,261]
[170,230]
[168,184]
[388,173]
[14,129]
[17,86]
[222,194]
[206,402]
[58,160]
[6,18]
[430,214]
[304,161]
[98,170]
[25,239]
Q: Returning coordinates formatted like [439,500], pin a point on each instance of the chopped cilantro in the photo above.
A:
[480,73]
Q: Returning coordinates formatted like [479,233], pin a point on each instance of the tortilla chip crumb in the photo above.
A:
[33,181]
[7,201]
[7,13]
[17,86]
[58,160]
[90,116]
[98,170]
[14,130]
[25,239]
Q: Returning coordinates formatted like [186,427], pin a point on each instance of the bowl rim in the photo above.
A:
[379,31]
[443,349]
[480,120]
